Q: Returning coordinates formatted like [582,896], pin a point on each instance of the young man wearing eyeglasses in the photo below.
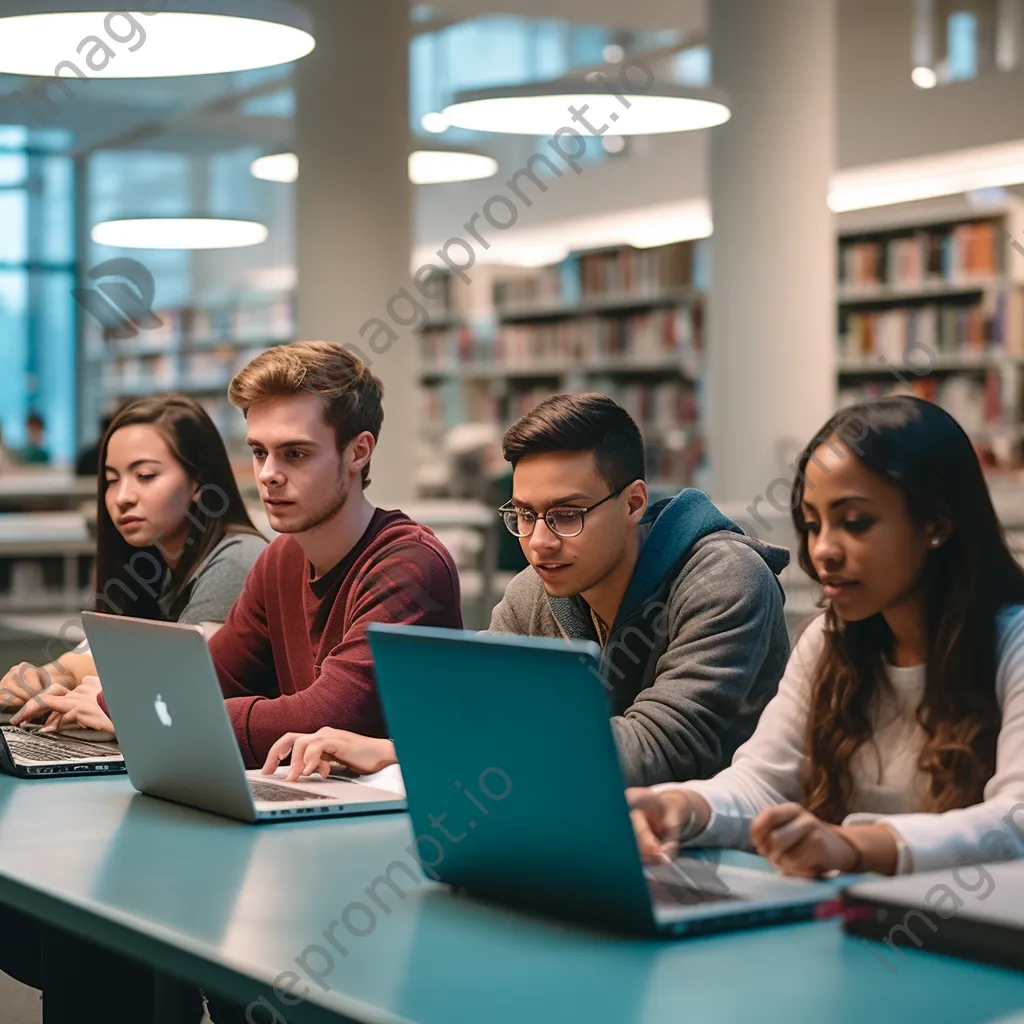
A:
[687,610]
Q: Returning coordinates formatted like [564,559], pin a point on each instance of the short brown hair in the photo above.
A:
[351,394]
[581,423]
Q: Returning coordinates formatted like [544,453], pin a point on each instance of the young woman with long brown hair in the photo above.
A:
[896,740]
[174,542]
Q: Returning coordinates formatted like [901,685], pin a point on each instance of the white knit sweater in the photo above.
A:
[887,784]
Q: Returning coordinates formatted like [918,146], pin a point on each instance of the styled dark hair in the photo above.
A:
[217,511]
[919,448]
[581,423]
[351,394]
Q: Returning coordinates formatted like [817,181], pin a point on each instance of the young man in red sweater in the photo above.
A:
[293,655]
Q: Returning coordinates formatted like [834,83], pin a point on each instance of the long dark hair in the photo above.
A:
[128,579]
[919,448]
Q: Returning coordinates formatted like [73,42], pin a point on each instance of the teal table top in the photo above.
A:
[278,912]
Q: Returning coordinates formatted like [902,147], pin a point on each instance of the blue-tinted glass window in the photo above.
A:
[56,211]
[13,168]
[693,66]
[13,136]
[961,46]
[497,50]
[13,355]
[54,373]
[37,278]
[13,226]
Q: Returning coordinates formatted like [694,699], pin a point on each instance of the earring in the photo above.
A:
[935,542]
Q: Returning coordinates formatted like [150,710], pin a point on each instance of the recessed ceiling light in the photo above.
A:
[438,166]
[87,39]
[434,166]
[591,106]
[282,167]
[179,233]
[435,123]
[924,78]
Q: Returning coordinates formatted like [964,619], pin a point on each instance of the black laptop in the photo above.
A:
[29,754]
[975,911]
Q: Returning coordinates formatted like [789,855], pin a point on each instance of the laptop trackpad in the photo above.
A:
[686,882]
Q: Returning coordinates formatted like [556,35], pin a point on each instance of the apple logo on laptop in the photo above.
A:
[161,711]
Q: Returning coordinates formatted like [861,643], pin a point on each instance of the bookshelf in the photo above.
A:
[624,321]
[931,303]
[196,351]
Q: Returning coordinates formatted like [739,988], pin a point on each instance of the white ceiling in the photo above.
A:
[686,15]
[194,114]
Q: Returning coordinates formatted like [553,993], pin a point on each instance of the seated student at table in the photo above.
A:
[173,541]
[896,741]
[687,610]
[294,654]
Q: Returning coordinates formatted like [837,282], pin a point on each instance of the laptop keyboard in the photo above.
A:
[29,747]
[280,794]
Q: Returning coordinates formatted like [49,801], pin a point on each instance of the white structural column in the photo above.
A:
[354,211]
[772,320]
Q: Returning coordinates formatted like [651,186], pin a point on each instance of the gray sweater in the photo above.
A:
[218,579]
[697,649]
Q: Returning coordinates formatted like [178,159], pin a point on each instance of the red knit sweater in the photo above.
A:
[293,655]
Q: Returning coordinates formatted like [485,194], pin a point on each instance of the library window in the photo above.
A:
[962,46]
[37,277]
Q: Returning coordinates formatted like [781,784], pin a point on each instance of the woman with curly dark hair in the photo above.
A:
[896,741]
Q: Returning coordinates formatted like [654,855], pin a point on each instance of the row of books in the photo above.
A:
[443,407]
[973,249]
[657,407]
[249,317]
[644,338]
[995,324]
[614,272]
[978,404]
[218,361]
[169,371]
[661,407]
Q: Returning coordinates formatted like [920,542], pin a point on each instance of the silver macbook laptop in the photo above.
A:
[173,729]
[463,710]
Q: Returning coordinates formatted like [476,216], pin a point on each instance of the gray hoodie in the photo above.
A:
[698,646]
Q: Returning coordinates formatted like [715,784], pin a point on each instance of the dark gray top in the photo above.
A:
[218,581]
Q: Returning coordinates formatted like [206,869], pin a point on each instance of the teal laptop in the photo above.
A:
[516,793]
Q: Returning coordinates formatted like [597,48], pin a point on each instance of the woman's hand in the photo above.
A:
[657,819]
[316,752]
[798,843]
[22,685]
[79,708]
[38,707]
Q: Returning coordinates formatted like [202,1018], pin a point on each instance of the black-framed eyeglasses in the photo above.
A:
[562,522]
